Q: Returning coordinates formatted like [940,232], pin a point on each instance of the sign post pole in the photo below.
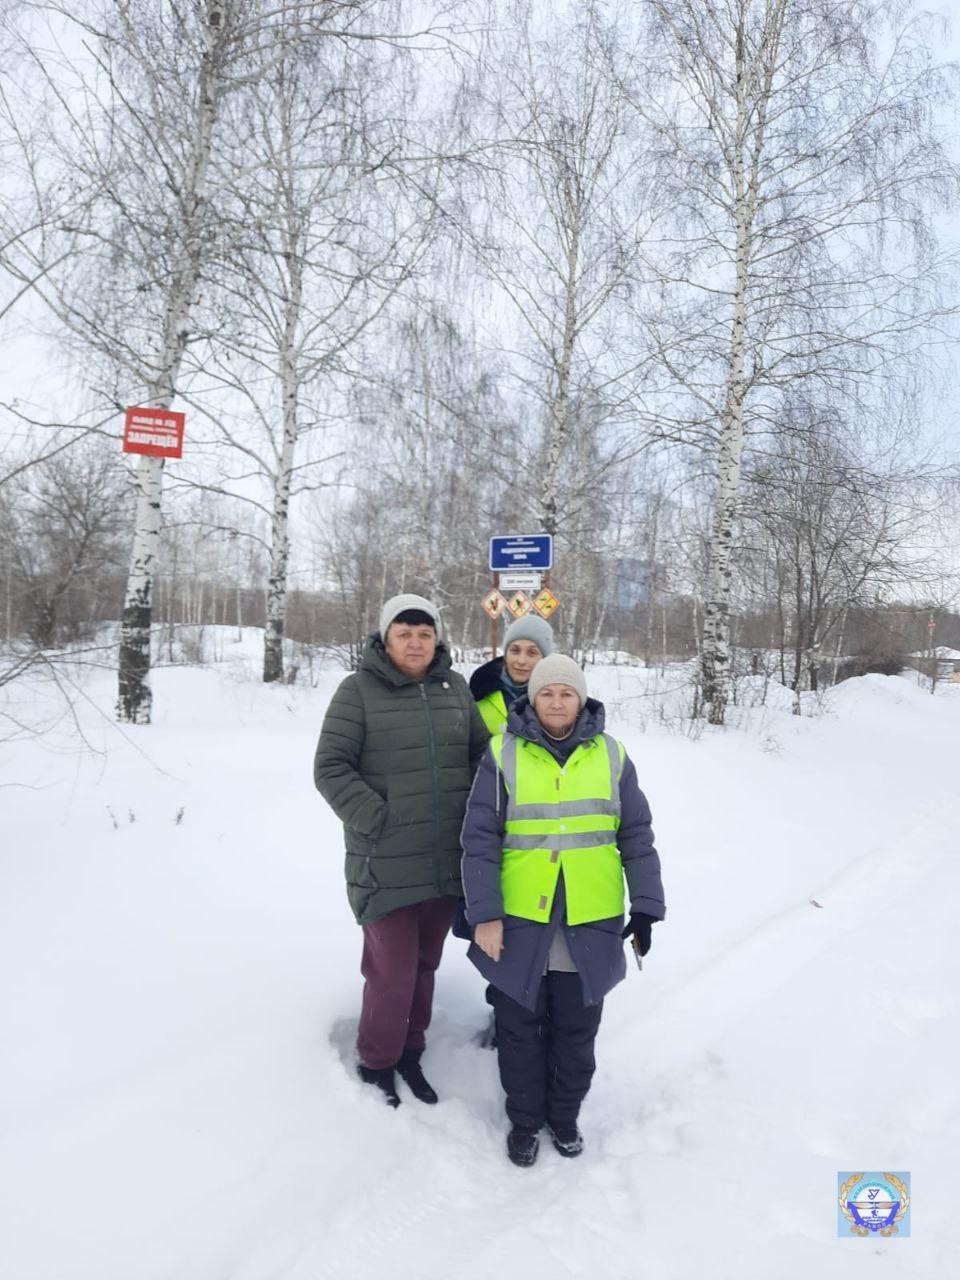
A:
[493,622]
[520,564]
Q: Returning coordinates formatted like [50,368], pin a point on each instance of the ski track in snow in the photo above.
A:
[179,1092]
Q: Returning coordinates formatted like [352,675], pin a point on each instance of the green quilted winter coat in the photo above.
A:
[395,762]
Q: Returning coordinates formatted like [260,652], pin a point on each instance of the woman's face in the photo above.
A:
[411,647]
[520,658]
[557,707]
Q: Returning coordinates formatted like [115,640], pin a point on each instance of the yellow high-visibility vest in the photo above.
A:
[561,817]
[493,709]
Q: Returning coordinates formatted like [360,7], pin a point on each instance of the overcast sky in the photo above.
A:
[35,375]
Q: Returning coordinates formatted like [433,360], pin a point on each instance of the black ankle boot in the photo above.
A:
[567,1139]
[384,1080]
[522,1147]
[408,1068]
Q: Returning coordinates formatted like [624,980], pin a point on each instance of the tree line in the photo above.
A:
[658,278]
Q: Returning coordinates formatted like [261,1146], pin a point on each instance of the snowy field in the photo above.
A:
[180,989]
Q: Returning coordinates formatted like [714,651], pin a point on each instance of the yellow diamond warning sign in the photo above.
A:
[519,604]
[494,603]
[545,602]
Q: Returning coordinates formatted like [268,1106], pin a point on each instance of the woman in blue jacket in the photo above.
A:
[555,821]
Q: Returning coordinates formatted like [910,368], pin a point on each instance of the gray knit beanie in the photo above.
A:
[400,604]
[532,628]
[557,669]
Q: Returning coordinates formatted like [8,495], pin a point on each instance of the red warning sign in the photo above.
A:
[156,432]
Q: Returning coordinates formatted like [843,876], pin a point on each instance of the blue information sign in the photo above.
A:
[523,551]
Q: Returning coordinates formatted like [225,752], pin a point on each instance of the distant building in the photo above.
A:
[947,660]
[636,581]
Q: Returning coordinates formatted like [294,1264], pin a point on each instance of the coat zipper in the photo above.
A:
[435,780]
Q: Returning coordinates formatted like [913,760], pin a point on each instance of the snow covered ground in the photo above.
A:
[180,989]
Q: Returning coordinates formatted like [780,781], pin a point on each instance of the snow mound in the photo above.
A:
[874,691]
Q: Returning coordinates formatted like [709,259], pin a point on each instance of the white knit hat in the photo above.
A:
[400,604]
[557,669]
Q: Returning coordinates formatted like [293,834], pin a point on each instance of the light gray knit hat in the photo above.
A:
[537,630]
[557,669]
[400,604]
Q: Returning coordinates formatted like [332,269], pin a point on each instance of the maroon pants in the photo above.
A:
[401,952]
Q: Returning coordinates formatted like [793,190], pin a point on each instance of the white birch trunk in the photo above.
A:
[8,608]
[591,648]
[652,551]
[279,531]
[812,660]
[746,154]
[838,651]
[574,603]
[663,647]
[715,658]
[290,392]
[134,696]
[558,418]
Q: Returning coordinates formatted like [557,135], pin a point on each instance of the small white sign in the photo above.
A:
[528,582]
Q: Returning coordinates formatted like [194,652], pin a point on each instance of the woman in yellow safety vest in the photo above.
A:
[555,821]
[499,683]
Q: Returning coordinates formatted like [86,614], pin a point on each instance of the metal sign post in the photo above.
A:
[494,604]
[493,619]
[521,565]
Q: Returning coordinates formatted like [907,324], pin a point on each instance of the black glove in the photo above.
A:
[639,926]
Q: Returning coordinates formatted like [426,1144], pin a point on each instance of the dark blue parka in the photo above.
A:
[596,948]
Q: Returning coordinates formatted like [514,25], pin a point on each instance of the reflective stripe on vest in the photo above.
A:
[561,818]
[493,709]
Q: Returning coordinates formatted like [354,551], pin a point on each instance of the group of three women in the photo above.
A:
[512,795]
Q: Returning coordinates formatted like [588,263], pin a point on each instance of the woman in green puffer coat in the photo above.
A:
[399,746]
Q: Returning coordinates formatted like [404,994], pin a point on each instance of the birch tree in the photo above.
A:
[430,424]
[137,123]
[567,213]
[798,140]
[140,123]
[60,534]
[841,524]
[215,48]
[326,234]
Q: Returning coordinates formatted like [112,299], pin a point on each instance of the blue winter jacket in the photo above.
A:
[596,948]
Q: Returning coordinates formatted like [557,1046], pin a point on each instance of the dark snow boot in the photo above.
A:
[567,1139]
[384,1080]
[408,1069]
[522,1147]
